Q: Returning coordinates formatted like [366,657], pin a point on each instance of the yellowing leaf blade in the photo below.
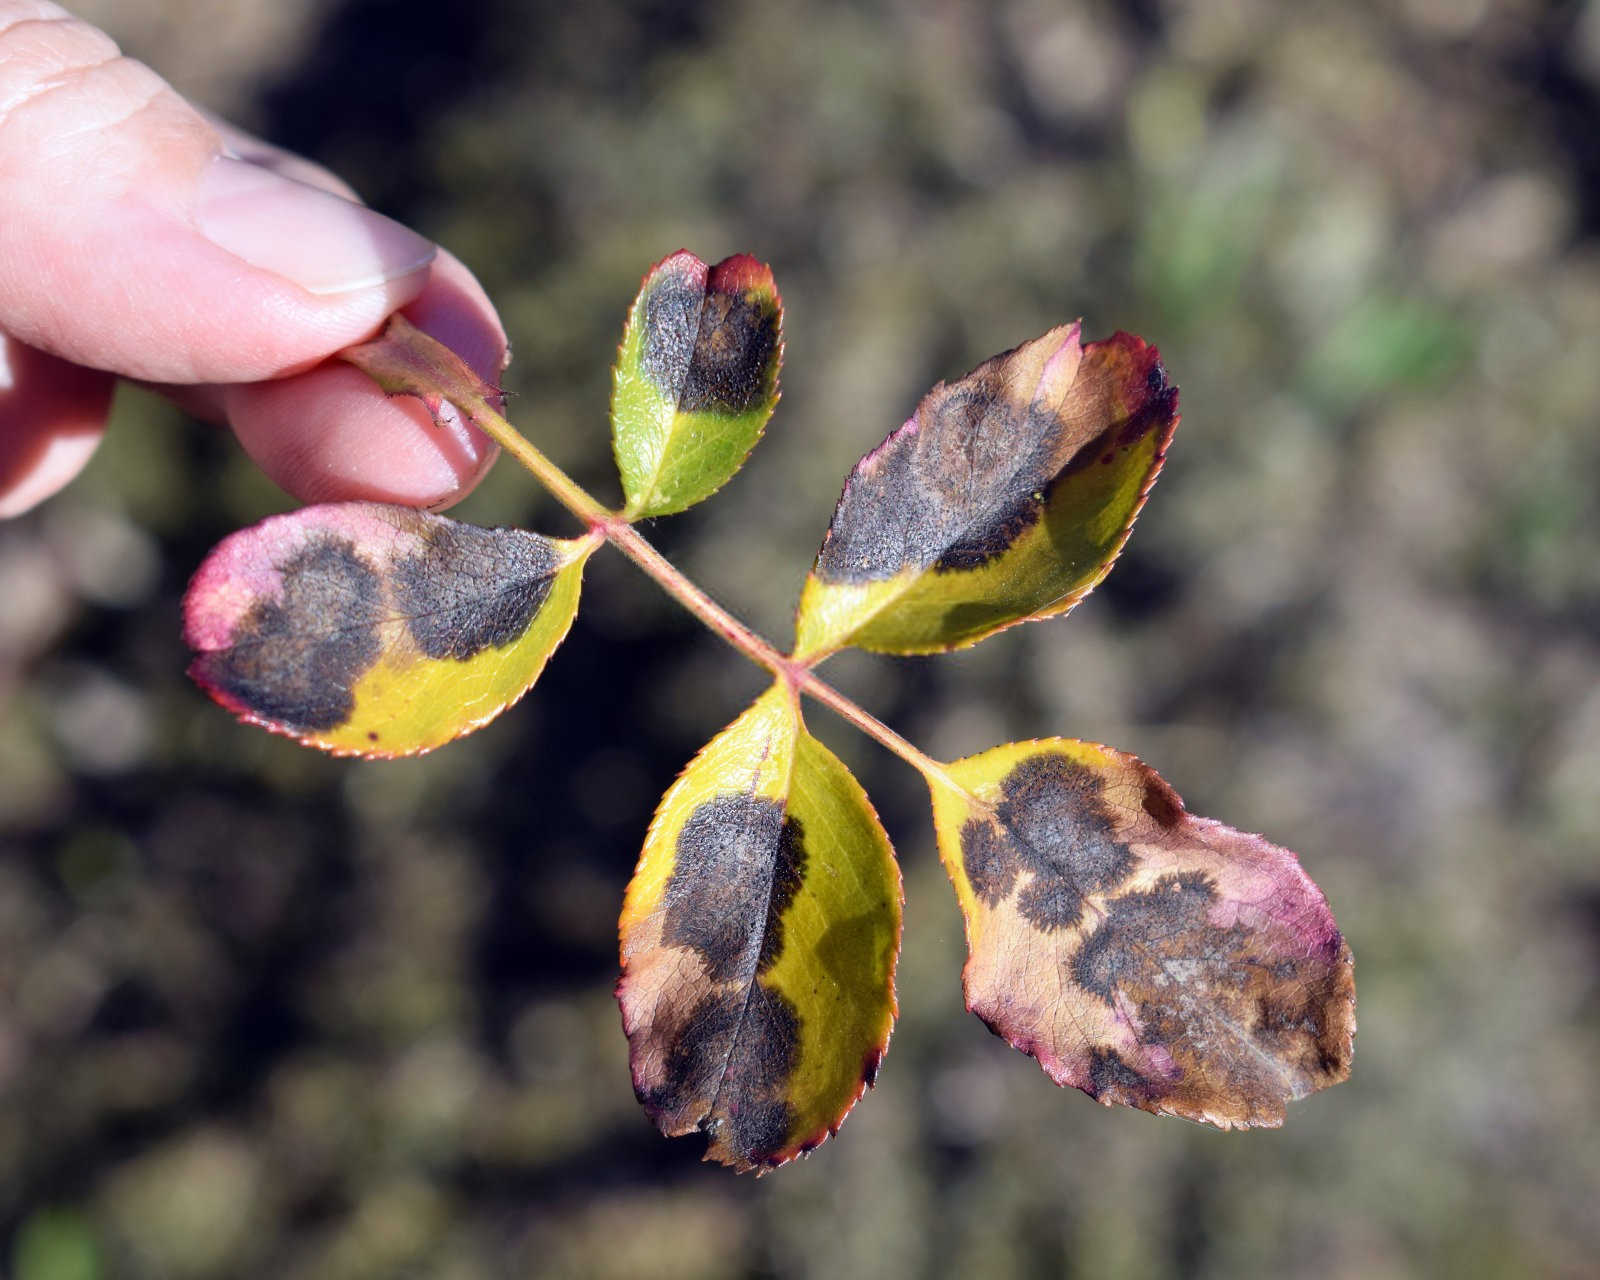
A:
[376,630]
[696,379]
[1006,497]
[1141,954]
[758,941]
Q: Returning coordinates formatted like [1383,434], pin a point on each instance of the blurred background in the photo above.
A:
[264,1013]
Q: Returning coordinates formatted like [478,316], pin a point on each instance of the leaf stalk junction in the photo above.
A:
[405,361]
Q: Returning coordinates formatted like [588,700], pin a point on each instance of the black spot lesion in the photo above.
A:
[1111,1077]
[1293,1016]
[710,349]
[740,861]
[471,589]
[1245,1014]
[732,369]
[1161,802]
[997,536]
[990,864]
[296,660]
[951,491]
[670,319]
[1142,930]
[1158,406]
[730,1064]
[1051,822]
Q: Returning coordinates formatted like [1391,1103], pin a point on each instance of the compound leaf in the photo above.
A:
[375,630]
[696,379]
[1141,954]
[1005,497]
[759,937]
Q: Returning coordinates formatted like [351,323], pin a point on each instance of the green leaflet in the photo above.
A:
[1141,954]
[696,379]
[1006,497]
[376,630]
[759,937]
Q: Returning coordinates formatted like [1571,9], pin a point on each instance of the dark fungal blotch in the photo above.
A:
[1141,930]
[1011,511]
[994,539]
[740,861]
[1158,406]
[991,869]
[1052,822]
[732,367]
[953,489]
[870,1066]
[1297,1016]
[472,589]
[1160,801]
[1246,1015]
[729,1064]
[1111,1077]
[709,345]
[759,1129]
[295,660]
[671,319]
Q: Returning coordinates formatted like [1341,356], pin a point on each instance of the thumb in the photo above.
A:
[132,240]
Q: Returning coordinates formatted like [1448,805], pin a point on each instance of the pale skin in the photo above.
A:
[142,239]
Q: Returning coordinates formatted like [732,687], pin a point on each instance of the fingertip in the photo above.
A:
[331,435]
[52,415]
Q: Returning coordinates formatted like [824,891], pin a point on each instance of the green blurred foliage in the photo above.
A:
[56,1244]
[265,1013]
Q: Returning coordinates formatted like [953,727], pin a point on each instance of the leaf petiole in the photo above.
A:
[404,361]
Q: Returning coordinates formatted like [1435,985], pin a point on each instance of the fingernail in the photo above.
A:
[321,242]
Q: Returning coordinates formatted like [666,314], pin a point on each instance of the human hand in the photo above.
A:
[140,238]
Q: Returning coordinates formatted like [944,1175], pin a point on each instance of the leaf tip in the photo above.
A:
[1146,392]
[742,273]
[680,262]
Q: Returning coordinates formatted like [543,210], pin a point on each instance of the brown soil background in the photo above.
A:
[264,1013]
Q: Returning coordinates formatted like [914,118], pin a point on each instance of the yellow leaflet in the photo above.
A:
[758,943]
[369,629]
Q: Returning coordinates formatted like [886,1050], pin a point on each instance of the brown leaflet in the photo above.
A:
[1142,954]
